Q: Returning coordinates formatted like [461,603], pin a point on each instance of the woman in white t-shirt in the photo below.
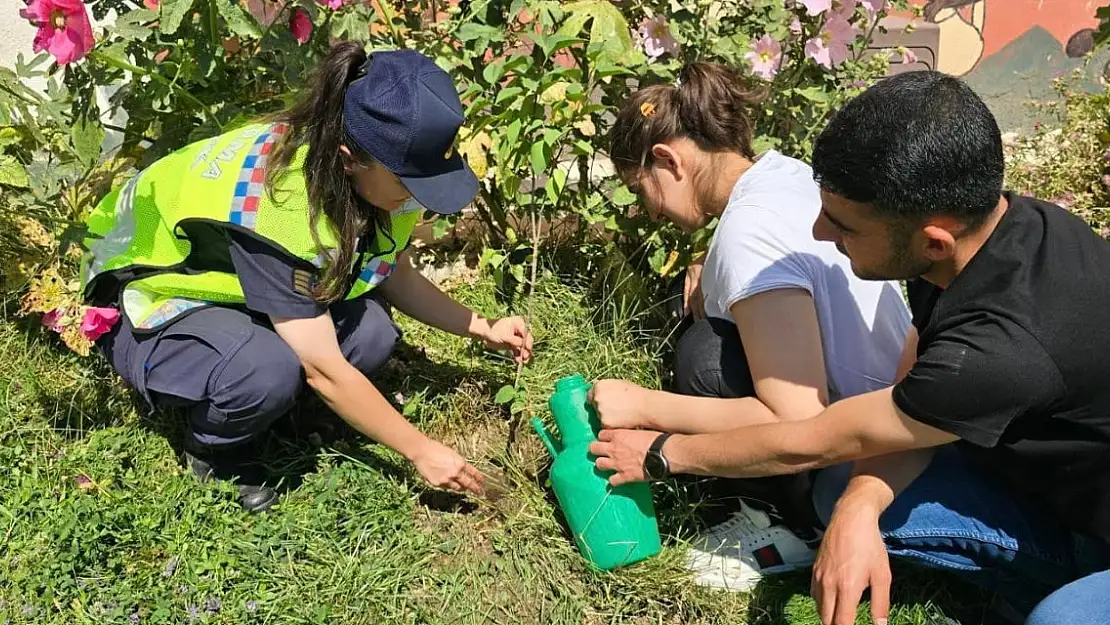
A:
[782,326]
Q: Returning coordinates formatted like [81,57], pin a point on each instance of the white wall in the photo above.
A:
[17,35]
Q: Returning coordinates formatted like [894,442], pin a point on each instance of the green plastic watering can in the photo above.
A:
[612,526]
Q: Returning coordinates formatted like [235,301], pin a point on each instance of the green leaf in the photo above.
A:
[505,395]
[539,157]
[134,24]
[493,72]
[813,94]
[471,31]
[605,69]
[116,52]
[552,44]
[12,173]
[440,227]
[572,26]
[583,147]
[172,12]
[506,94]
[551,135]
[610,36]
[512,135]
[657,259]
[623,197]
[87,135]
[555,185]
[9,136]
[347,25]
[239,21]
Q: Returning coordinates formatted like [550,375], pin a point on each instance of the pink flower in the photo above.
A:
[846,9]
[817,7]
[64,28]
[656,37]
[796,26]
[98,321]
[151,4]
[908,56]
[874,6]
[300,25]
[765,55]
[334,5]
[830,47]
[53,320]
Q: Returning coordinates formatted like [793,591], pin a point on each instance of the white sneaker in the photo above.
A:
[737,553]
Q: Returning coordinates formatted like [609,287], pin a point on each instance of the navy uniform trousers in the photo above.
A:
[231,370]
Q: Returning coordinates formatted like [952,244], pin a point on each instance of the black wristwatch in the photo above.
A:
[656,466]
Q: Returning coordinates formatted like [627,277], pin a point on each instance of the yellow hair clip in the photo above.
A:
[647,109]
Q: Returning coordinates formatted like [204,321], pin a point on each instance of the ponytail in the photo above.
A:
[709,106]
[318,121]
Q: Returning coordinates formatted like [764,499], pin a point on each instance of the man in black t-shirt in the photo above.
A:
[991,454]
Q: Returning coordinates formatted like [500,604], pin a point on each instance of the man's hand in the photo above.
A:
[510,333]
[623,452]
[852,558]
[693,298]
[619,403]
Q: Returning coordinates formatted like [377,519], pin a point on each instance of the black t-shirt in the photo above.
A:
[1014,358]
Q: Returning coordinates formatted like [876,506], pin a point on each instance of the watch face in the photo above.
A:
[655,467]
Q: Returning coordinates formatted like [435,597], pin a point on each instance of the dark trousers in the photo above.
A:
[709,361]
[231,370]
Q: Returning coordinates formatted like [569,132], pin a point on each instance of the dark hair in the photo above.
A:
[318,121]
[709,107]
[914,145]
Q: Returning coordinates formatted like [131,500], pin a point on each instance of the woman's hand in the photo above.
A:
[692,296]
[620,404]
[510,333]
[443,467]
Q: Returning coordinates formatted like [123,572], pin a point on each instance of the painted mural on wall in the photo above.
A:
[1009,51]
[973,30]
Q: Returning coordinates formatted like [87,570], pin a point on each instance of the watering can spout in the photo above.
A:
[545,436]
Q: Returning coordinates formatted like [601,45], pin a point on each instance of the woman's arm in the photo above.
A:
[782,343]
[358,402]
[416,296]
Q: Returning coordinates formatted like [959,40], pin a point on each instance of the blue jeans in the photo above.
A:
[958,519]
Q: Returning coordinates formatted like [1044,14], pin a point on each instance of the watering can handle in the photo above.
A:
[545,436]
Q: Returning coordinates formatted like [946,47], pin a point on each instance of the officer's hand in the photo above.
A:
[510,333]
[443,467]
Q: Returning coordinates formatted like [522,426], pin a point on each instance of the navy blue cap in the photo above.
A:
[405,113]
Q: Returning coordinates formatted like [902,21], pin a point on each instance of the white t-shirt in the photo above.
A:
[764,241]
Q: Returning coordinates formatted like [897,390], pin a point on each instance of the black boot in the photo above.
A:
[233,464]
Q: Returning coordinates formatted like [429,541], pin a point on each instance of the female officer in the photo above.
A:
[248,262]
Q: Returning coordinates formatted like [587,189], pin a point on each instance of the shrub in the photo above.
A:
[540,80]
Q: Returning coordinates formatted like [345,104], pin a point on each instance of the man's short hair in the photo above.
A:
[914,145]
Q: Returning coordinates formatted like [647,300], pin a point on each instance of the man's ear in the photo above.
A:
[940,242]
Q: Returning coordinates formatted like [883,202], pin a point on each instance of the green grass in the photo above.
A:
[99,521]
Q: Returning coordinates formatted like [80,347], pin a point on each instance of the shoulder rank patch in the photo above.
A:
[302,282]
